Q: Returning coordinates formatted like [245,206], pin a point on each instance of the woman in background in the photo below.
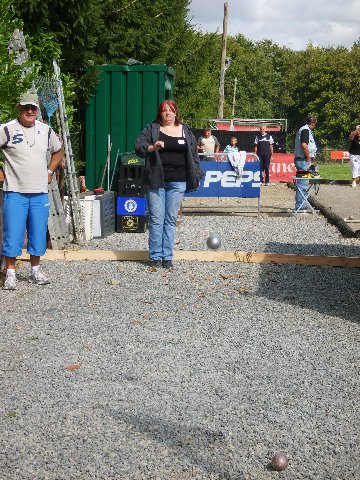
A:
[354,151]
[172,167]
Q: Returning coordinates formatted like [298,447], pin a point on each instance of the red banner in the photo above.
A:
[282,167]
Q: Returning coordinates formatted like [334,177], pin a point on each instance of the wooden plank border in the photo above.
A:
[203,256]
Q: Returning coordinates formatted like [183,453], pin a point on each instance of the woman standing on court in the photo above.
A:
[354,151]
[172,167]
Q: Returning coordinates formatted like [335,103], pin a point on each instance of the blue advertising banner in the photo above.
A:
[220,181]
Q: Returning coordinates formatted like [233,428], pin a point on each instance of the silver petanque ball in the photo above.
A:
[213,241]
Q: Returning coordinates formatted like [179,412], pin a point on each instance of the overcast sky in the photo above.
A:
[291,23]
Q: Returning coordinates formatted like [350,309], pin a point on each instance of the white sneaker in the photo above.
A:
[353,184]
[302,210]
[10,282]
[36,276]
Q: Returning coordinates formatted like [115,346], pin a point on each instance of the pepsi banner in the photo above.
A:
[221,181]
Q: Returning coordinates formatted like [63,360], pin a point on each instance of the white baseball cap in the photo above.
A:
[29,98]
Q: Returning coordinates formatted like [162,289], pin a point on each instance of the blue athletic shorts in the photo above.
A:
[25,210]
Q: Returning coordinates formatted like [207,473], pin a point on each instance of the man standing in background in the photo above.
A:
[305,150]
[264,150]
[208,144]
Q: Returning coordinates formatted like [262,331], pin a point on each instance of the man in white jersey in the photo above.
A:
[25,143]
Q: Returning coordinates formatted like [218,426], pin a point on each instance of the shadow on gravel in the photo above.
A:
[328,290]
[197,447]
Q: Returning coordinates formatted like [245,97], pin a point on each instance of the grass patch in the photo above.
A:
[335,171]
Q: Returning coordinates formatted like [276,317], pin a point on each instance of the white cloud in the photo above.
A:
[285,22]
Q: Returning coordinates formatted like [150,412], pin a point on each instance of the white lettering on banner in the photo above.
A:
[230,180]
[282,167]
[212,177]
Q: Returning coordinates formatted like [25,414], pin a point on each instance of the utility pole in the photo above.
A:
[234,96]
[223,64]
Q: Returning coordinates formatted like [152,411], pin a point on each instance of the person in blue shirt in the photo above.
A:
[232,146]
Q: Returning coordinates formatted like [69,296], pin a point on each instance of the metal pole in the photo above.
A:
[108,164]
[223,58]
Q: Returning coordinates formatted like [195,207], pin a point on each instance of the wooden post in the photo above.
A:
[234,96]
[223,58]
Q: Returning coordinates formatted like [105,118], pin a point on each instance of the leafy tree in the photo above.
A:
[140,29]
[320,81]
[197,74]
[12,80]
[16,79]
[252,67]
[272,81]
[74,24]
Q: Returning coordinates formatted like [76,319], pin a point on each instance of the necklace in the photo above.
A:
[26,138]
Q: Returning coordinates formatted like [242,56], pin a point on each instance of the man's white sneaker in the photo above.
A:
[353,184]
[36,276]
[10,282]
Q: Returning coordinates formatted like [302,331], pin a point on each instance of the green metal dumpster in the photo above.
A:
[126,99]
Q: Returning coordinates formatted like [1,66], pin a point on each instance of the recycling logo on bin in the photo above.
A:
[130,205]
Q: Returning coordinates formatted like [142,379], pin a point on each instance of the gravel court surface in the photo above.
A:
[203,372]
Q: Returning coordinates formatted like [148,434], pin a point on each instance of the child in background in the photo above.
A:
[235,157]
[232,147]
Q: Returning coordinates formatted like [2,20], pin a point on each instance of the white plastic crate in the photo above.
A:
[87,208]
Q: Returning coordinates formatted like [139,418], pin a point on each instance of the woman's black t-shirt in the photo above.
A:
[354,148]
[173,157]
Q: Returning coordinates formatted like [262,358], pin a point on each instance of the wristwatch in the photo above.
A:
[51,173]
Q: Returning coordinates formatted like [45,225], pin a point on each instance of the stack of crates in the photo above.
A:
[131,207]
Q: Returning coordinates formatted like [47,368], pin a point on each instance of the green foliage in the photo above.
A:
[322,81]
[140,29]
[42,49]
[71,22]
[75,26]
[197,74]
[272,81]
[256,86]
[12,81]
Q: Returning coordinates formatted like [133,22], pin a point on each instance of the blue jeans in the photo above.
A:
[164,204]
[25,210]
[302,185]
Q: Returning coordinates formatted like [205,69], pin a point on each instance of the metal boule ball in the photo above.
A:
[213,241]
[279,461]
